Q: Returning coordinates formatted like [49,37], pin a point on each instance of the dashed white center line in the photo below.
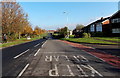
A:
[44,43]
[37,52]
[21,54]
[20,74]
[36,45]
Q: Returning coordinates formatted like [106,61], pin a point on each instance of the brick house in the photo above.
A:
[115,24]
[109,26]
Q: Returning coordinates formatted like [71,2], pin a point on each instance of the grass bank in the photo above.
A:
[117,39]
[22,40]
[88,40]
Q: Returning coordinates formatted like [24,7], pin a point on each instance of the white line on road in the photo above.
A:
[44,43]
[21,54]
[37,52]
[20,74]
[70,71]
[36,45]
[84,58]
[76,58]
[81,70]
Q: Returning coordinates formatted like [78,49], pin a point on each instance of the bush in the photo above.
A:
[85,35]
[89,35]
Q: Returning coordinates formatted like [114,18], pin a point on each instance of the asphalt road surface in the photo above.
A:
[53,58]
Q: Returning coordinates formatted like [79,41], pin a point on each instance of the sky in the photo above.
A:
[51,16]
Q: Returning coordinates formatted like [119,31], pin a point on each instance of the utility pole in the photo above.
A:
[67,23]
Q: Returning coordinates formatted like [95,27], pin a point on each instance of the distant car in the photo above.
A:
[44,37]
[28,38]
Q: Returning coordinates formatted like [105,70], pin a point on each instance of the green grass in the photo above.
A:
[87,40]
[71,36]
[22,40]
[109,38]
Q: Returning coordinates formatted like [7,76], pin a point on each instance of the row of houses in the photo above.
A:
[109,26]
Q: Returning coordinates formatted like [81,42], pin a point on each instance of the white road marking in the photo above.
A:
[70,71]
[81,70]
[84,58]
[44,43]
[37,52]
[66,57]
[21,54]
[56,58]
[20,74]
[48,59]
[92,70]
[55,71]
[36,45]
[76,58]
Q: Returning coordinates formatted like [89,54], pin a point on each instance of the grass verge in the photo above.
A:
[19,41]
[117,39]
[88,40]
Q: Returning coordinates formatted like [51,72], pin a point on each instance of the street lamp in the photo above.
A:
[67,23]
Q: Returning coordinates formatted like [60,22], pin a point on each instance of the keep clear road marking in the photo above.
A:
[20,74]
[37,52]
[36,45]
[21,54]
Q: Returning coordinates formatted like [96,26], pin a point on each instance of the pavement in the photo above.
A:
[49,58]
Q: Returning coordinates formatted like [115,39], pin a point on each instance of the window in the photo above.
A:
[99,27]
[117,20]
[116,30]
[92,28]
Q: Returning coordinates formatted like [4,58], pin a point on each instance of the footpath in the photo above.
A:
[108,53]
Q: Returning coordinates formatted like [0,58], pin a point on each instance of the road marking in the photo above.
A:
[70,71]
[56,58]
[76,58]
[48,59]
[66,57]
[84,58]
[81,70]
[92,70]
[36,45]
[21,54]
[44,43]
[37,52]
[20,74]
[55,70]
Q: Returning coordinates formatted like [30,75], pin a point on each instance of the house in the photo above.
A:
[115,24]
[96,27]
[109,26]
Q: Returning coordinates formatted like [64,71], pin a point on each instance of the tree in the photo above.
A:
[38,31]
[13,19]
[63,31]
[79,26]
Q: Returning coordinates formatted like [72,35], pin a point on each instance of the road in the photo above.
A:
[53,58]
[14,58]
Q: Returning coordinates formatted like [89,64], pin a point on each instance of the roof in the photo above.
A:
[99,20]
[115,14]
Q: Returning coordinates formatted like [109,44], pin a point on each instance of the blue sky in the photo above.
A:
[49,15]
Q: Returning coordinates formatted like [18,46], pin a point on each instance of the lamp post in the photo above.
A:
[67,23]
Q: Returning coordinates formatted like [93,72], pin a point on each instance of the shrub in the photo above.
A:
[85,35]
[89,35]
